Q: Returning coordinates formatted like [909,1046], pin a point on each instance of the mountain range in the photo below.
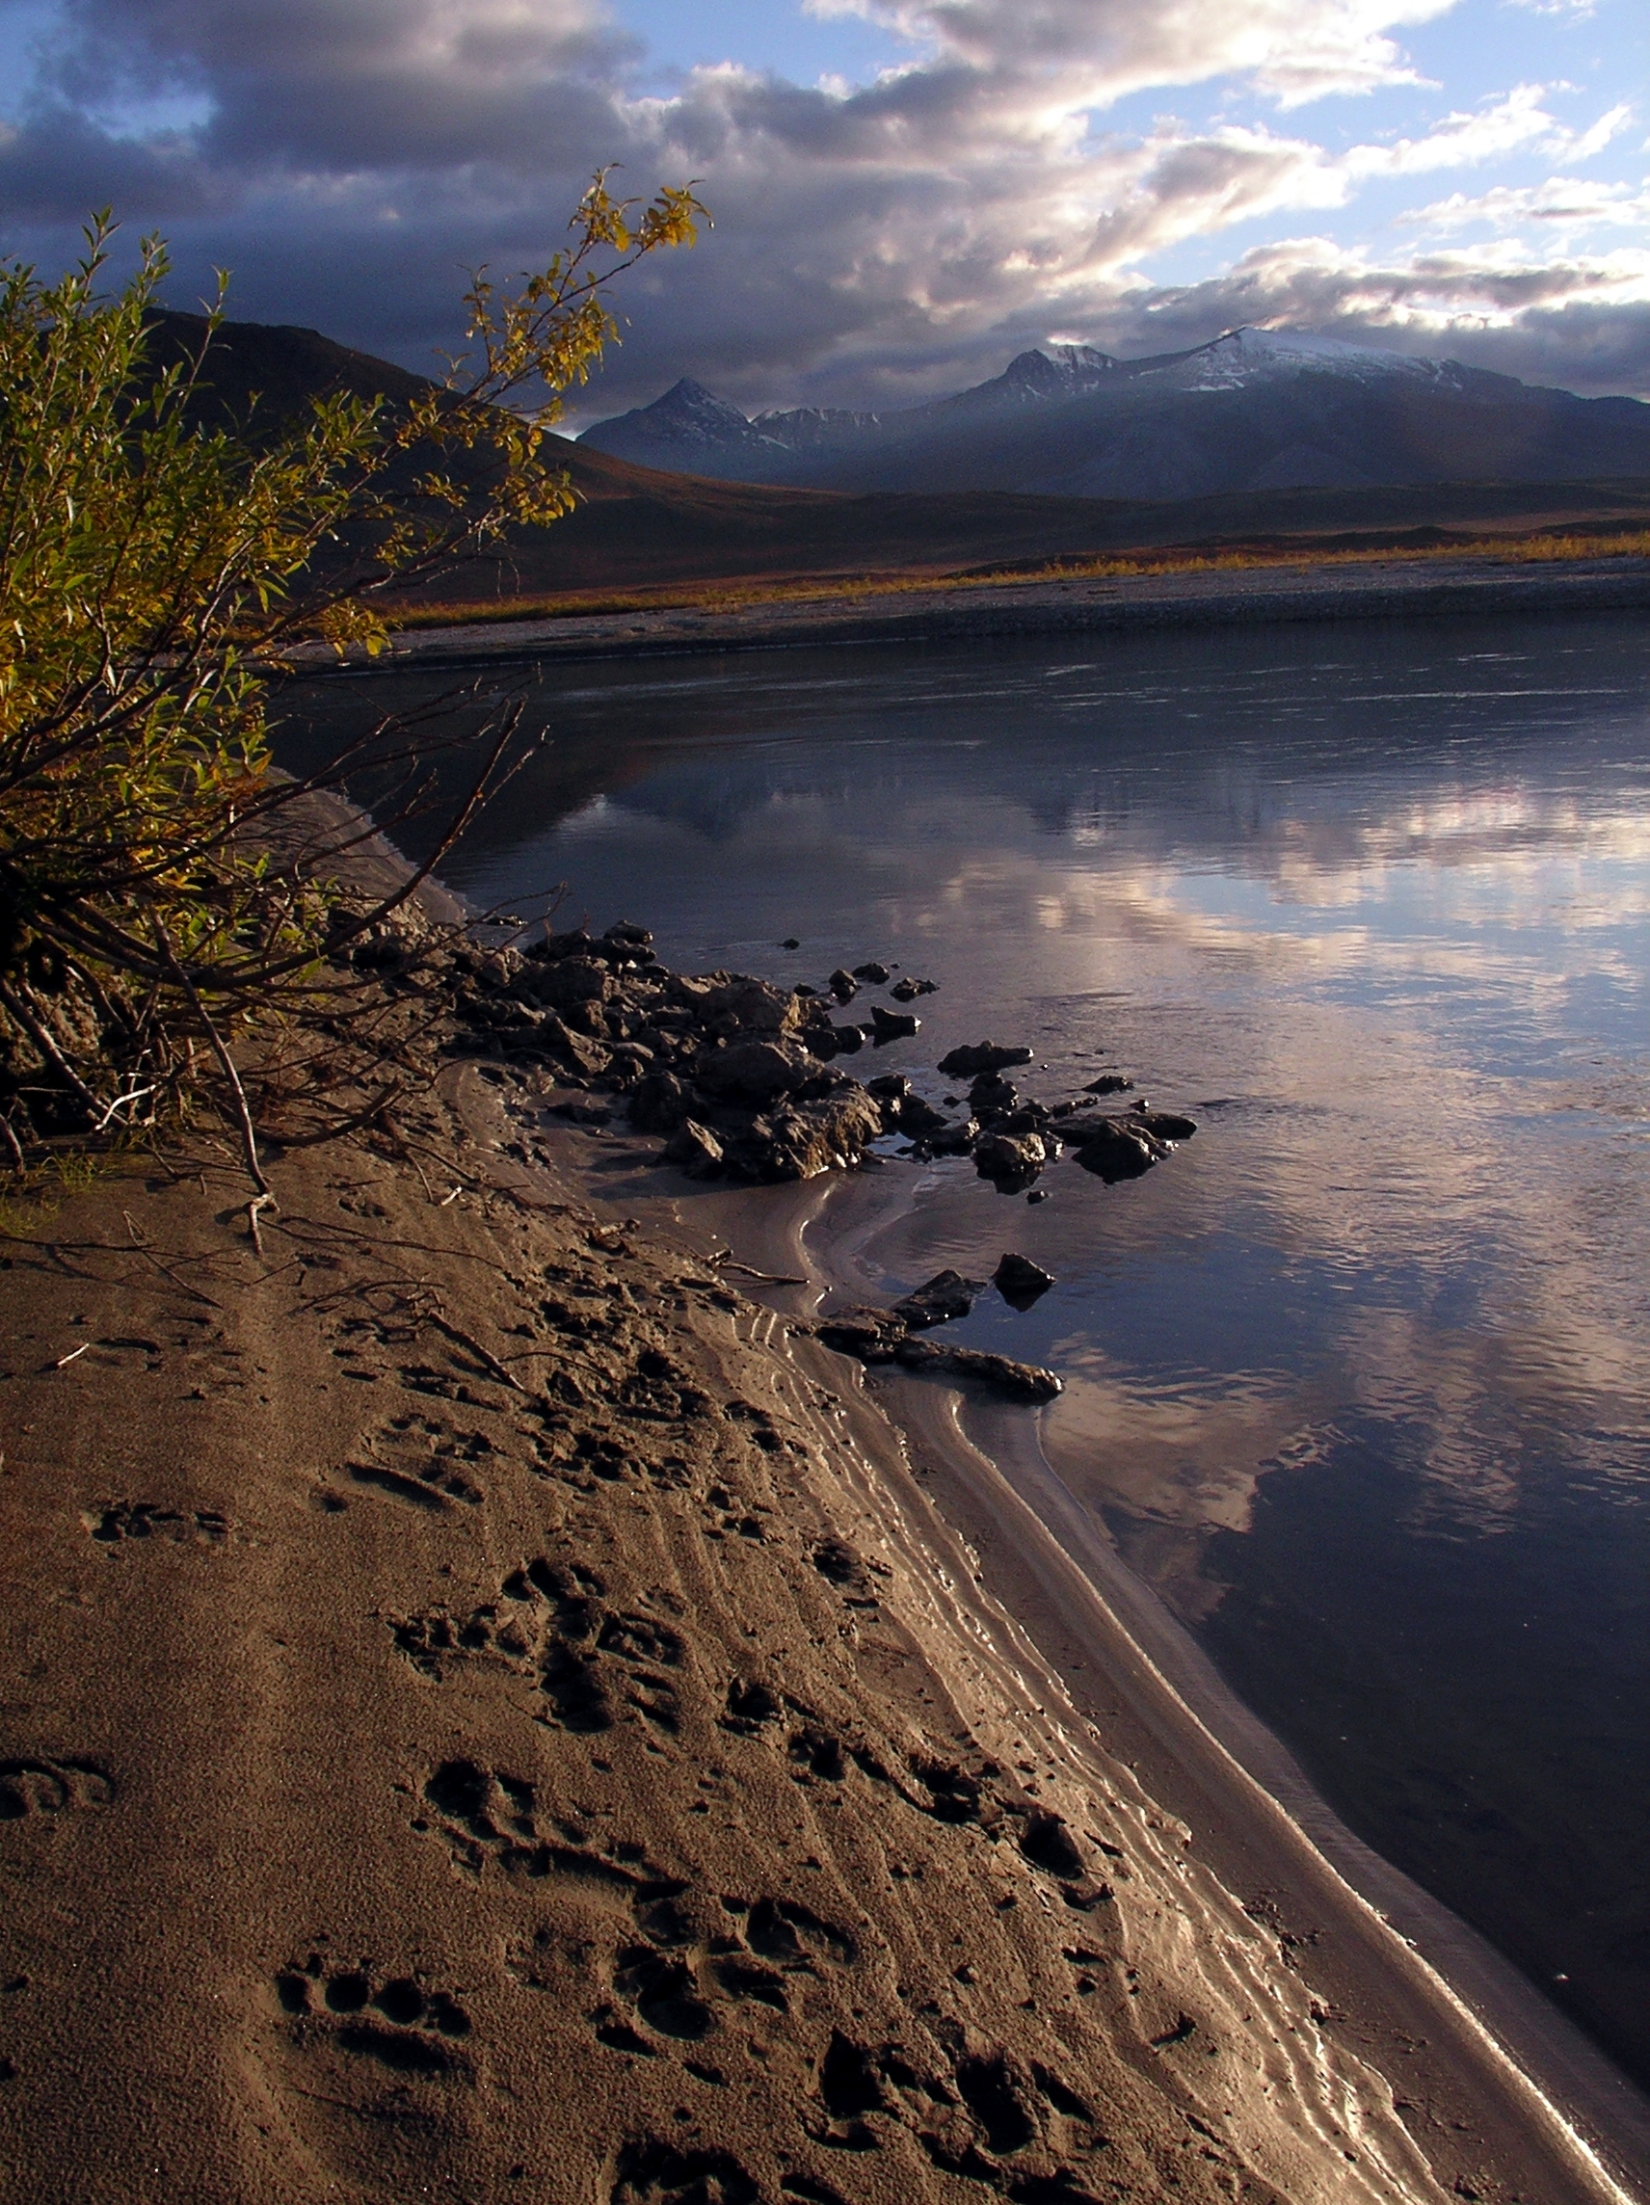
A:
[1254,411]
[638,529]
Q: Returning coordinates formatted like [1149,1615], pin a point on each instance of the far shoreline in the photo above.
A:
[1379,588]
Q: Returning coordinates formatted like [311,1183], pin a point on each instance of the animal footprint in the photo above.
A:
[592,1663]
[123,1520]
[33,1789]
[486,1815]
[419,1460]
[785,1931]
[397,2022]
[653,2173]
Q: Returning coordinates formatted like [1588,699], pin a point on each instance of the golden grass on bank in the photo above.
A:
[1544,548]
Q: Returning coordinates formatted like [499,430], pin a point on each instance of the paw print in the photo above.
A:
[395,2021]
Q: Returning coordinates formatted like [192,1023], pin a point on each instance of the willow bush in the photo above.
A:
[155,571]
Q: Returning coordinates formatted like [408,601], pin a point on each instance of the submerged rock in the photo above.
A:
[1114,1149]
[891,1025]
[941,1299]
[1012,1160]
[1020,1281]
[1000,1373]
[982,1056]
[880,1337]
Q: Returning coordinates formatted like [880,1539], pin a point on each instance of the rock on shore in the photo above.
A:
[742,1077]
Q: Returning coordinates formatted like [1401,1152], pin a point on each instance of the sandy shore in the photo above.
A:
[1478,2051]
[1372,589]
[493,1713]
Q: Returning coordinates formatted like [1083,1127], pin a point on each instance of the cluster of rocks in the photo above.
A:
[1013,1138]
[743,1078]
[893,1335]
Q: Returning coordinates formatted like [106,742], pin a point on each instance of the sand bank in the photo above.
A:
[488,1715]
[1506,2096]
[491,1712]
[1373,589]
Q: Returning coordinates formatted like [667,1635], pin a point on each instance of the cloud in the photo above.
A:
[873,244]
[1294,53]
[1563,201]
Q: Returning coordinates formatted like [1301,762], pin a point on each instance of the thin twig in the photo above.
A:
[259,1202]
[485,1355]
[220,1049]
[120,1103]
[723,1259]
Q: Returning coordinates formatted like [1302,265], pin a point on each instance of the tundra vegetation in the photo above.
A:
[164,955]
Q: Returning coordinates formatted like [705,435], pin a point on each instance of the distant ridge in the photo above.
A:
[1254,410]
[637,528]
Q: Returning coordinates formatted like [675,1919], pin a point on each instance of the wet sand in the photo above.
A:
[1475,2051]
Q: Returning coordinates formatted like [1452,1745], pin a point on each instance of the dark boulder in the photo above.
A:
[946,1296]
[1168,1125]
[981,1056]
[1114,1149]
[1020,1281]
[991,1097]
[1109,1083]
[891,1091]
[891,1025]
[873,972]
[920,1120]
[696,1149]
[907,990]
[826,1132]
[849,1040]
[755,1071]
[843,985]
[953,1139]
[574,1052]
[1013,1161]
[1025,1117]
[563,985]
[998,1373]
[659,1102]
[871,1334]
[576,942]
[876,1336]
[624,934]
[733,1004]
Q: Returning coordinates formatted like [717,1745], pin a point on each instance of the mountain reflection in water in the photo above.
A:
[1360,1379]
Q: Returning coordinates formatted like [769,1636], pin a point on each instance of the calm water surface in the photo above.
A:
[1361,1379]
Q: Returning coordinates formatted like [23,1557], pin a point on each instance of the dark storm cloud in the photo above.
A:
[352,157]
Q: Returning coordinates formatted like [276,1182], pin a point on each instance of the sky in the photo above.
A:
[904,193]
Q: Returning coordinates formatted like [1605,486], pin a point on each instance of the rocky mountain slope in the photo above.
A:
[1254,411]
